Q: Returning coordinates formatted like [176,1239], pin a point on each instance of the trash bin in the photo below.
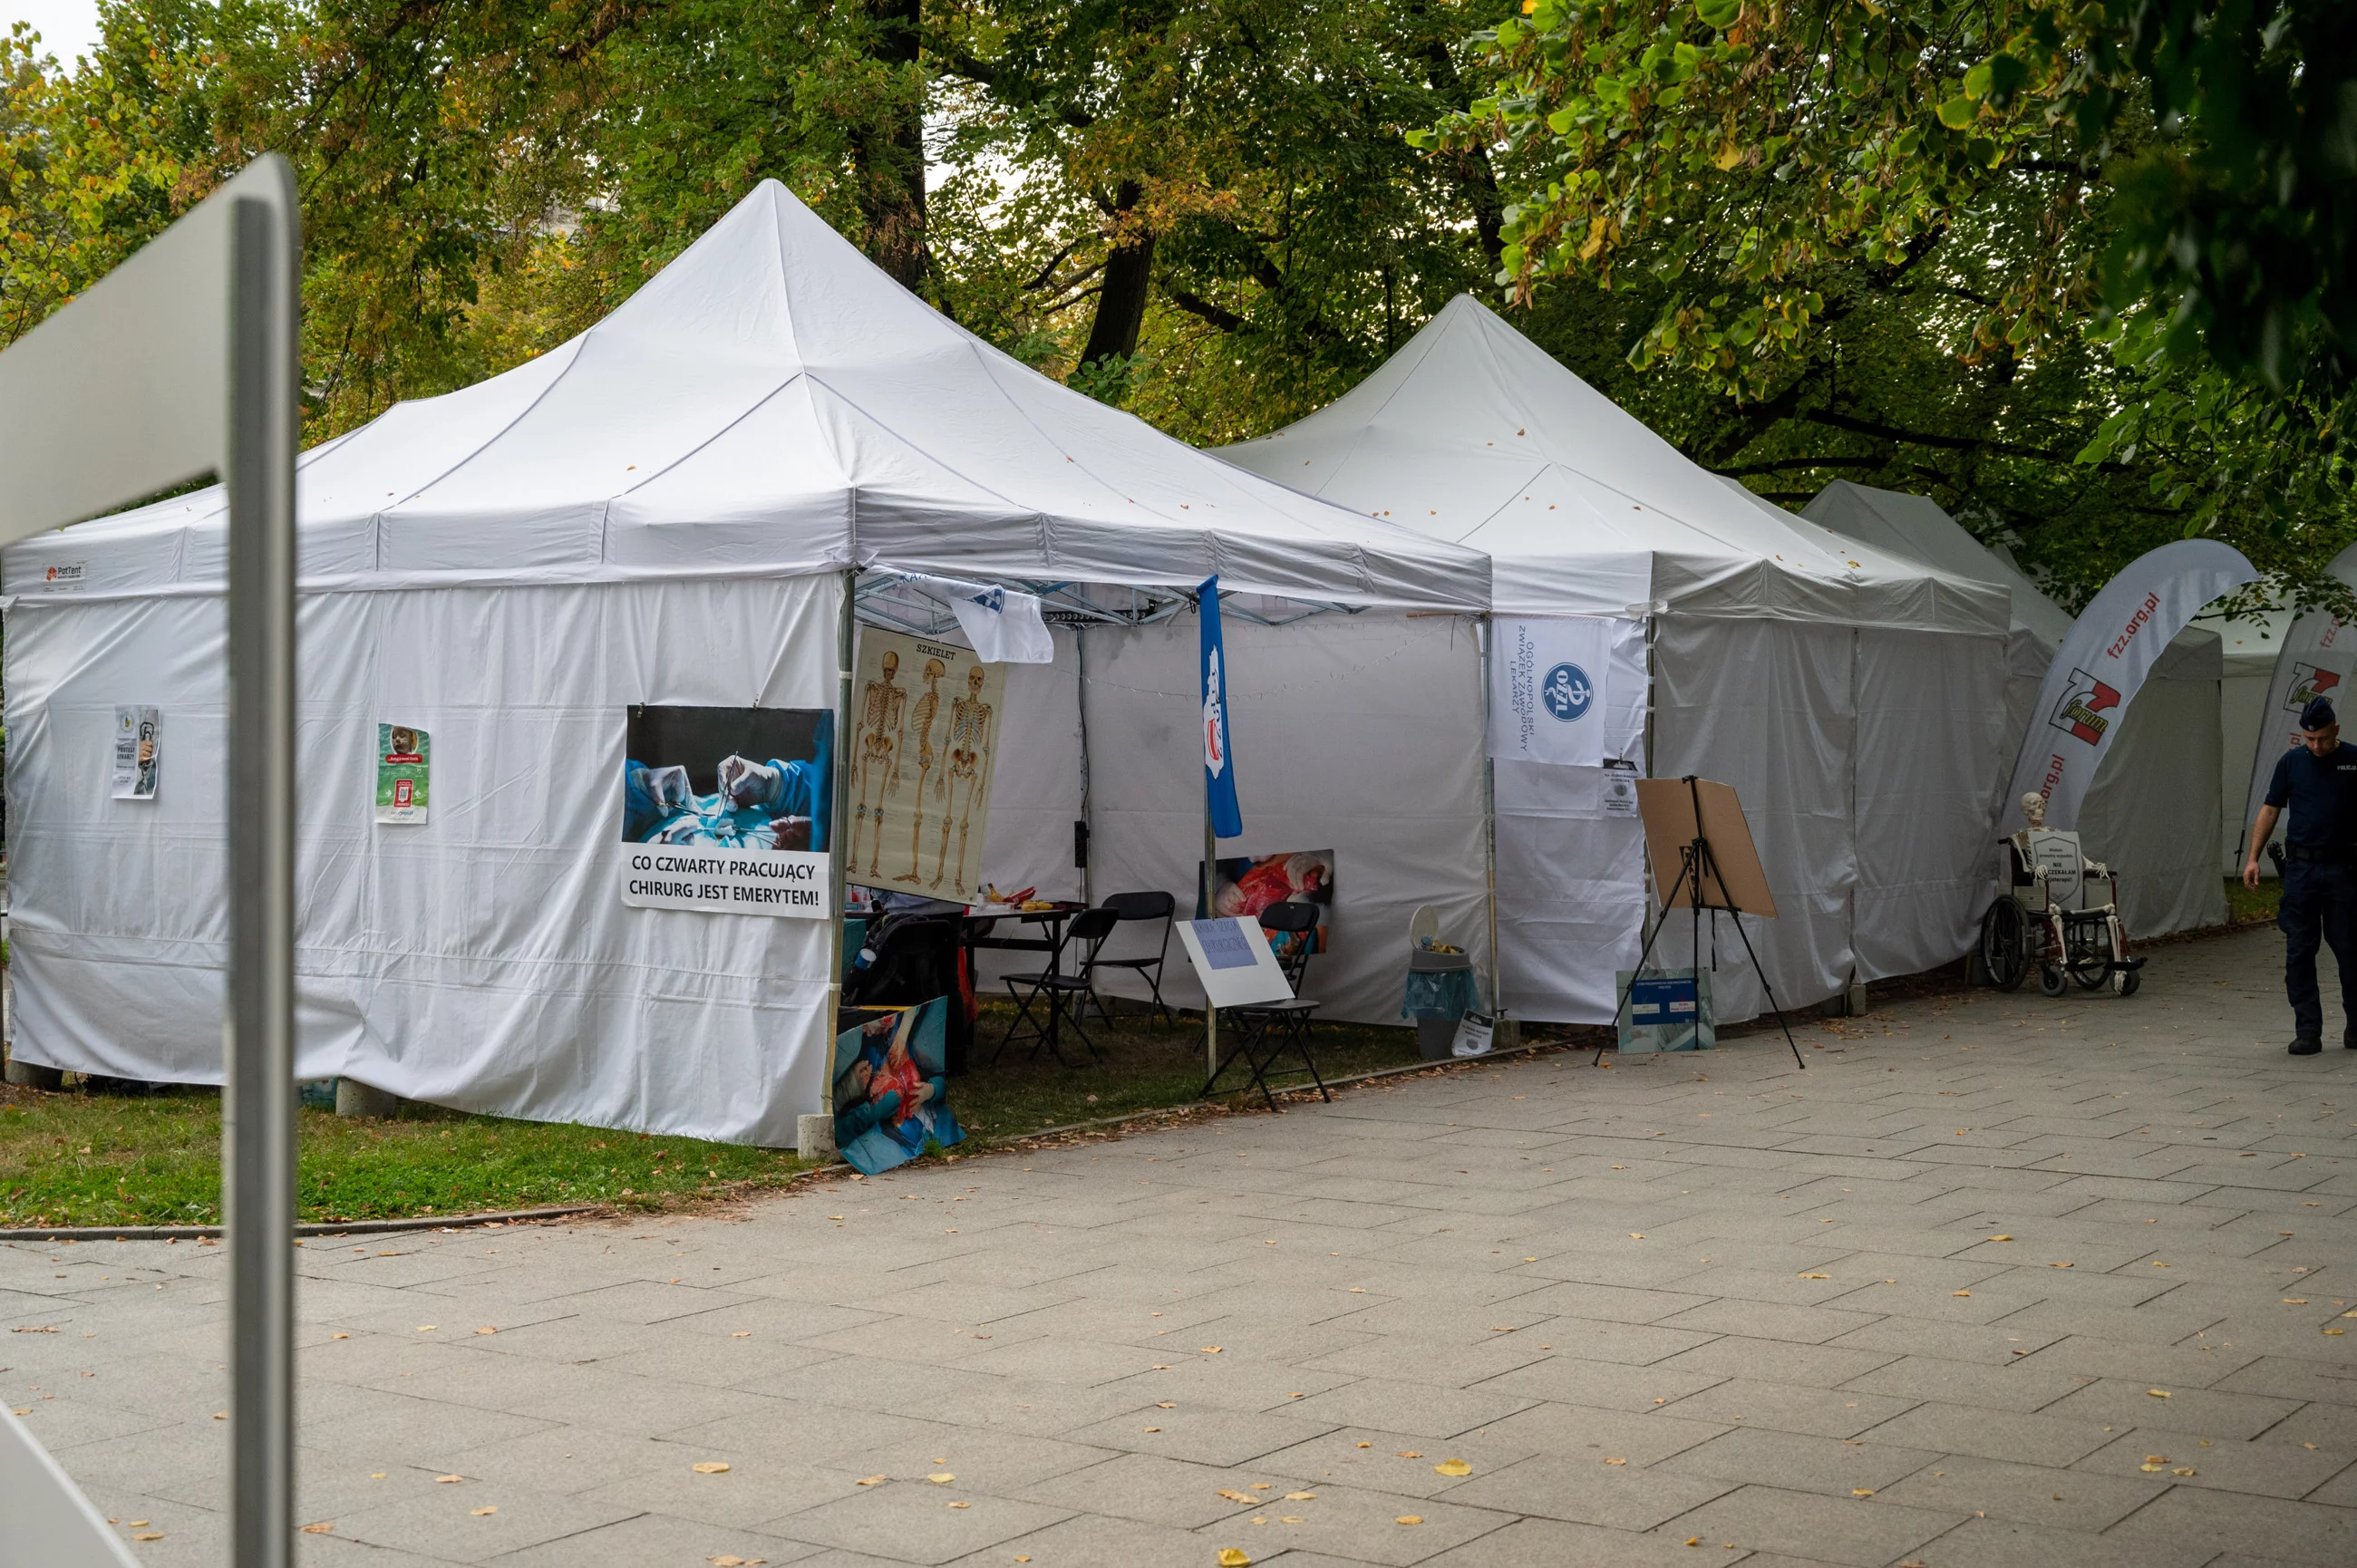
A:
[1440,990]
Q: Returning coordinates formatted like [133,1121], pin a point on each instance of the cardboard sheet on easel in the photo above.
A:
[1669,807]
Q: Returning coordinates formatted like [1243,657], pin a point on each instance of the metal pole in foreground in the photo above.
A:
[258,1152]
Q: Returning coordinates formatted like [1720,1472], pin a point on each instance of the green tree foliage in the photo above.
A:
[1881,235]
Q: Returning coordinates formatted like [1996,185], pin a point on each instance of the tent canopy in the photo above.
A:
[772,404]
[1473,434]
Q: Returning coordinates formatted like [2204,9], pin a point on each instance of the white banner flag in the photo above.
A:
[1003,624]
[2112,646]
[1547,689]
[2318,655]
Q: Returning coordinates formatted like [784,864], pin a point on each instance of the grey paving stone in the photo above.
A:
[2269,1469]
[1786,1407]
[1810,1526]
[1992,1434]
[913,1522]
[2233,1521]
[653,1541]
[1995,1543]
[1771,1459]
[1589,1491]
[2031,1494]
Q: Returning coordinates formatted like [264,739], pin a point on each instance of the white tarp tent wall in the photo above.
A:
[2150,811]
[1849,696]
[2248,646]
[661,510]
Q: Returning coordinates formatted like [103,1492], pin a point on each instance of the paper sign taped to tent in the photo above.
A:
[923,742]
[727,810]
[401,773]
[138,735]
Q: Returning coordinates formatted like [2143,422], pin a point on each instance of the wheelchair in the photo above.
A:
[2059,913]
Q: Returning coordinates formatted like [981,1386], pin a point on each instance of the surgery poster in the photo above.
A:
[401,769]
[925,723]
[1246,886]
[890,1089]
[727,810]
[138,733]
[1547,689]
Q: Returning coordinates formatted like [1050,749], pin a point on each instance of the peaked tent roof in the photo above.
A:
[1473,434]
[771,403]
[1917,528]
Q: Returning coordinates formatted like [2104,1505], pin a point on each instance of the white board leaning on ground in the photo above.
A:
[659,513]
[2113,645]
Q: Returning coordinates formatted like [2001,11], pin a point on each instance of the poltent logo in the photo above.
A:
[1567,692]
[2310,681]
[2085,708]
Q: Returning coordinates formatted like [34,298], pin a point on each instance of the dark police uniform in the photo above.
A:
[2319,881]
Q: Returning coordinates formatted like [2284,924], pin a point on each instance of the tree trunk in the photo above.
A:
[1129,270]
[889,155]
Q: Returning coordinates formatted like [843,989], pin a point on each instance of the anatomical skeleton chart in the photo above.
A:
[925,716]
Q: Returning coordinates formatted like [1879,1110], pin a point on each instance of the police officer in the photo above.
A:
[2318,780]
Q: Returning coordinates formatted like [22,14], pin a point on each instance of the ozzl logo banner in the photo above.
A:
[2112,646]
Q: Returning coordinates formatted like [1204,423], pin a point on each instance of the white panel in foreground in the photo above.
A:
[1234,961]
[49,1524]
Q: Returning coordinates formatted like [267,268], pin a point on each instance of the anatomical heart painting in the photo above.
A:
[925,719]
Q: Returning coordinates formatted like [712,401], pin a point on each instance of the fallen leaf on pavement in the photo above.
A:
[1816,1276]
[151,1535]
[2182,1470]
[481,1511]
[940,1477]
[710,1467]
[321,1528]
[1211,1349]
[1301,1497]
[960,1505]
[1235,1496]
[2158,1393]
[448,1480]
[1409,1518]
[873,1480]
[2000,1238]
[1230,1557]
[1452,1467]
[1616,1461]
[1861,1491]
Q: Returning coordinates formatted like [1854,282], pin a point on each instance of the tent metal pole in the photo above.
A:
[1484,634]
[1088,822]
[846,628]
[1210,882]
[258,1151]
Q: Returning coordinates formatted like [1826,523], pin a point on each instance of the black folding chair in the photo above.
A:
[1140,906]
[1066,995]
[1267,1030]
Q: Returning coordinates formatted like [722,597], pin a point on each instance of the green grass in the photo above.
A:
[2246,906]
[95,1159]
[88,1159]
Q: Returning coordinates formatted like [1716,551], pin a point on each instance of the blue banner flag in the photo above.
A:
[1219,762]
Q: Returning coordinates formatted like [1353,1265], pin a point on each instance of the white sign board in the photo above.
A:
[727,880]
[1234,961]
[1547,696]
[2057,858]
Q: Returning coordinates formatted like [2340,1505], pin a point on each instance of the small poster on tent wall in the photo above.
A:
[401,773]
[727,810]
[1248,884]
[138,752]
[891,1088]
[924,738]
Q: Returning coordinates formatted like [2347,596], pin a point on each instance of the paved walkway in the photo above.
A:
[1997,1282]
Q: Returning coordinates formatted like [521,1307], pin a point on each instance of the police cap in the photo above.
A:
[2318,714]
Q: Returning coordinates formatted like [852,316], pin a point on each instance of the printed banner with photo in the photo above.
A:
[890,1091]
[401,773]
[1248,884]
[726,809]
[138,735]
[923,736]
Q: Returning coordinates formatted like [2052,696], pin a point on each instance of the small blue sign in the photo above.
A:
[1567,692]
[1663,1000]
[1224,944]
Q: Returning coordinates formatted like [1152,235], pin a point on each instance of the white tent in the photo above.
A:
[1852,697]
[661,510]
[2150,811]
[2249,644]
